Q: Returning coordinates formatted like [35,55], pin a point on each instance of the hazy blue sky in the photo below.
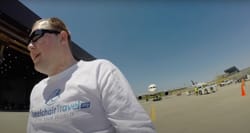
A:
[166,43]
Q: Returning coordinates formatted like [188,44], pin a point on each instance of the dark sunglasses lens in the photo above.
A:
[36,35]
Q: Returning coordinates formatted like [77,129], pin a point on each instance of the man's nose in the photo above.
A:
[31,46]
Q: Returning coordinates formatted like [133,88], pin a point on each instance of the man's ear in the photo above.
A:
[64,35]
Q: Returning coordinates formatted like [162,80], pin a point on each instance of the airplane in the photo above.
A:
[153,93]
[198,83]
[17,74]
[204,88]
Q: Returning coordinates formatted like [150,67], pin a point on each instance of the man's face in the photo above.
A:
[43,47]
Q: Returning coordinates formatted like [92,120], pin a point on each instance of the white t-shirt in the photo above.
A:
[88,97]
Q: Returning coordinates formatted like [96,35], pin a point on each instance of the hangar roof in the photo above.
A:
[231,70]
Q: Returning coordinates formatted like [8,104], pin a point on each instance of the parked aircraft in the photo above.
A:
[153,93]
[204,88]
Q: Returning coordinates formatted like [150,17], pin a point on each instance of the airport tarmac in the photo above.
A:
[13,122]
[225,111]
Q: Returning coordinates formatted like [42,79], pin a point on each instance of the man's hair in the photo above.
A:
[56,24]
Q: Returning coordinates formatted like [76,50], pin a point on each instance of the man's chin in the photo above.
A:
[40,70]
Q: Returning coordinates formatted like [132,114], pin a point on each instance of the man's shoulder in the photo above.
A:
[42,81]
[98,65]
[97,62]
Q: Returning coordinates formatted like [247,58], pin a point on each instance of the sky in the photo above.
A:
[168,43]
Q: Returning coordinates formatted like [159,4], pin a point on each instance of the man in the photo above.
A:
[196,91]
[78,96]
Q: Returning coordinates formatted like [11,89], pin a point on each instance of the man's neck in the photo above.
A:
[65,64]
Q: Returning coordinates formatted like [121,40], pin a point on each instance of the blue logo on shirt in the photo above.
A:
[53,97]
[64,108]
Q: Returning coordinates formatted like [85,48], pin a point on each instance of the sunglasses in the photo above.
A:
[37,34]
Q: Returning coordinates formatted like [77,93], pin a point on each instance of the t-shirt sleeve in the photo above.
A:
[121,106]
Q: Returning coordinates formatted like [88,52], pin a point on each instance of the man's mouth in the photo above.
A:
[36,57]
